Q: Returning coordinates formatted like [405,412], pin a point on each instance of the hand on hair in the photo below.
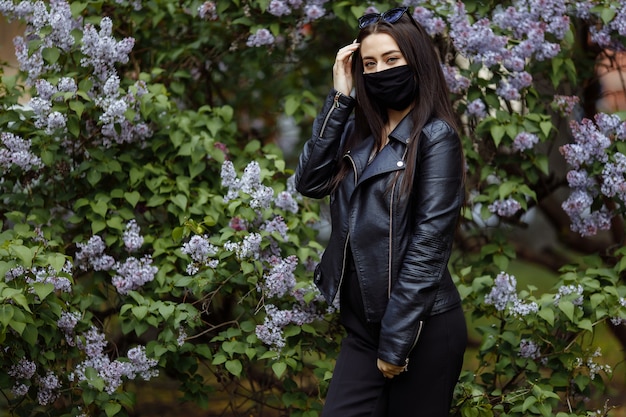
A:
[342,69]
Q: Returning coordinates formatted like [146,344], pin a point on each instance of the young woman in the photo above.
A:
[394,173]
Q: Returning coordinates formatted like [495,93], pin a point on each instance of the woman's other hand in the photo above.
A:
[389,370]
[342,69]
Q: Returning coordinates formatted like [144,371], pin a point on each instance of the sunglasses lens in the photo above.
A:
[368,19]
[393,15]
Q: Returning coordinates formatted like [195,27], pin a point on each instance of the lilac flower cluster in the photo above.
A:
[505,208]
[22,372]
[53,122]
[116,127]
[101,51]
[524,141]
[598,172]
[503,294]
[617,320]
[15,151]
[457,83]
[593,367]
[133,274]
[278,225]
[271,331]
[565,105]
[49,388]
[568,290]
[249,248]
[251,184]
[93,343]
[66,323]
[45,28]
[48,275]
[91,255]
[201,251]
[529,349]
[133,240]
[601,32]
[262,37]
[476,108]
[208,10]
[434,25]
[280,279]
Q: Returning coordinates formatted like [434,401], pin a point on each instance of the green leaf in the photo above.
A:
[548,315]
[279,368]
[140,312]
[6,314]
[166,310]
[567,307]
[180,200]
[42,289]
[132,197]
[24,254]
[497,133]
[234,367]
[112,409]
[51,55]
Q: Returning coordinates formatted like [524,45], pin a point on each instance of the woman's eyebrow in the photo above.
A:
[384,54]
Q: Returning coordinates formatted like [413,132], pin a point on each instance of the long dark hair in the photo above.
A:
[432,99]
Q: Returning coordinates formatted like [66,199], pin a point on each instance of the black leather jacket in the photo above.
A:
[400,244]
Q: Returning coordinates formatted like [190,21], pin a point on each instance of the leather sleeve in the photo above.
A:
[318,159]
[438,199]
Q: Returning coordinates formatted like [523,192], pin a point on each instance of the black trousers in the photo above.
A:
[358,388]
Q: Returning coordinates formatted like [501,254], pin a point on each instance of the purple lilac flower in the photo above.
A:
[280,280]
[504,290]
[262,197]
[278,8]
[112,372]
[314,12]
[14,273]
[433,25]
[476,41]
[579,179]
[102,51]
[505,208]
[521,308]
[132,236]
[19,390]
[565,105]
[49,276]
[477,108]
[524,141]
[284,200]
[613,180]
[271,331]
[208,10]
[91,254]
[57,24]
[49,387]
[529,349]
[262,37]
[67,323]
[238,224]
[24,369]
[133,274]
[201,251]
[248,249]
[567,290]
[456,82]
[15,151]
[277,224]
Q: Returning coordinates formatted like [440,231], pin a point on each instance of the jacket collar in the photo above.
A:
[390,158]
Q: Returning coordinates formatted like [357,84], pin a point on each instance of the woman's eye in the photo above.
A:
[392,60]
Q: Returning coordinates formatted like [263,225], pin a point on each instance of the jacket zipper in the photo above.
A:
[333,107]
[419,331]
[389,262]
[345,246]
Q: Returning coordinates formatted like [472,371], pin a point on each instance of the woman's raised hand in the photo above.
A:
[342,69]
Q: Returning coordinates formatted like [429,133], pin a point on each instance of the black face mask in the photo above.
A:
[394,88]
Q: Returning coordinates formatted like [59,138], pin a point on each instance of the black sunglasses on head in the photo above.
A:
[390,16]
